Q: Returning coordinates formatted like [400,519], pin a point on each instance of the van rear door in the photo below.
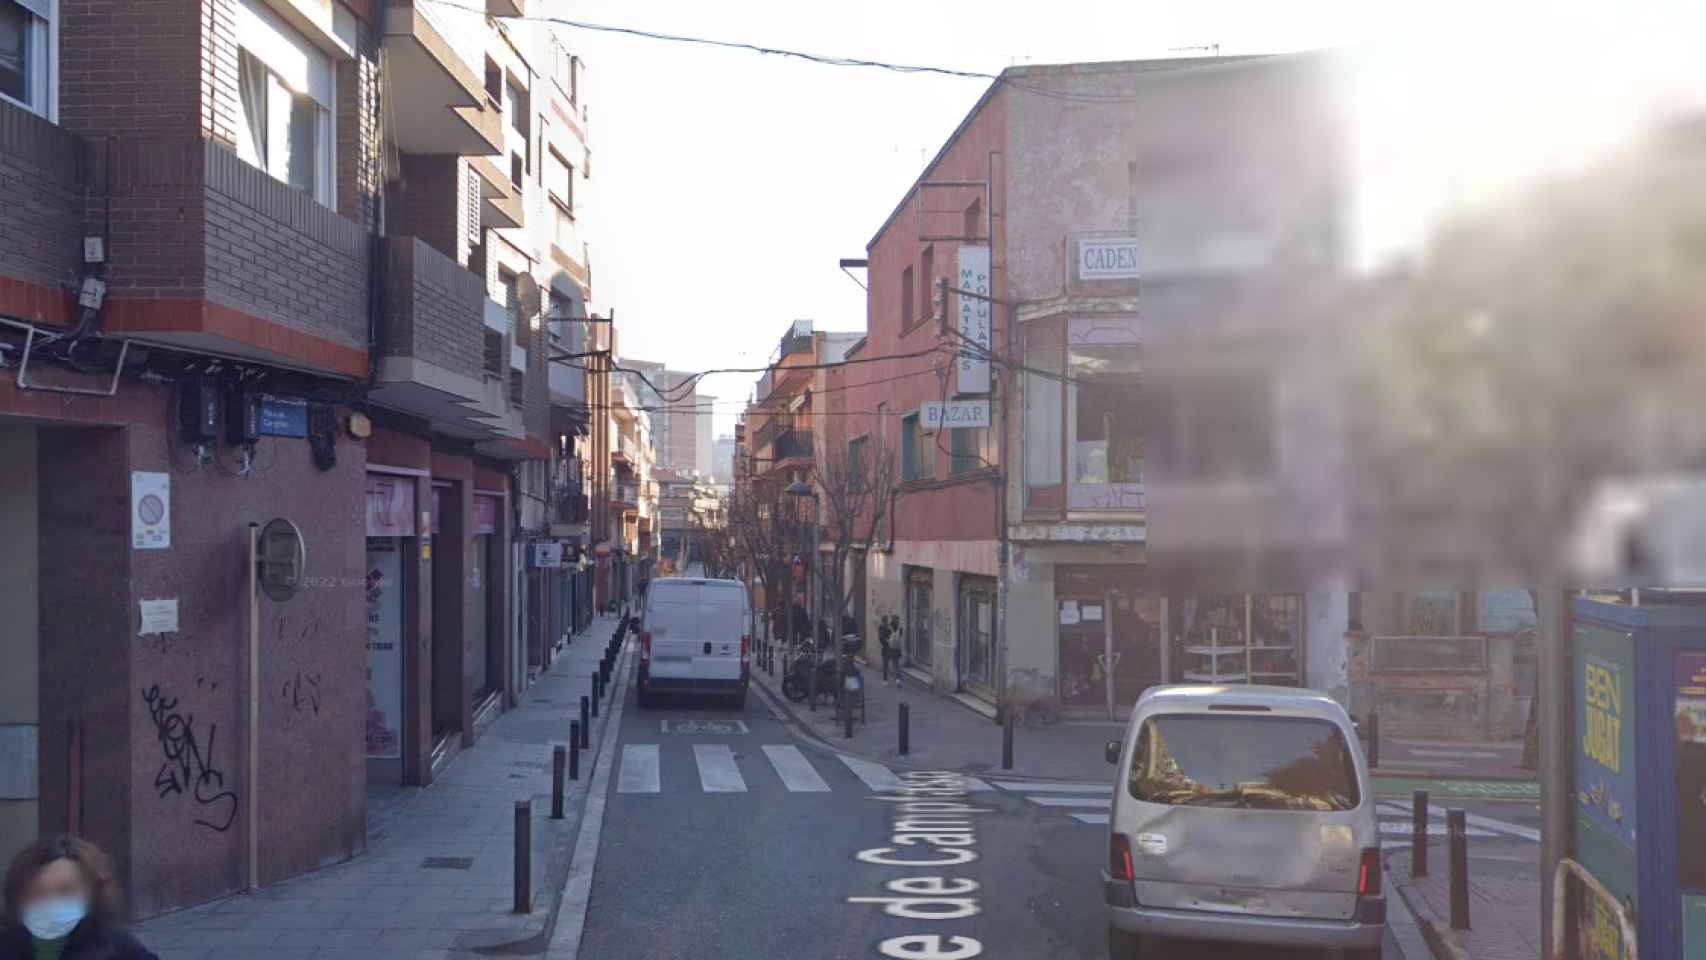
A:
[696,626]
[1248,813]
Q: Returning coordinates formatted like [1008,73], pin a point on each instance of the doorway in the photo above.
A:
[975,638]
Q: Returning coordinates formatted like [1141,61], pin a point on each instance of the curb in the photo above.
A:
[781,706]
[1442,943]
[568,923]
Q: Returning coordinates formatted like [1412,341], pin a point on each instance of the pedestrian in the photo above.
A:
[883,645]
[891,652]
[62,903]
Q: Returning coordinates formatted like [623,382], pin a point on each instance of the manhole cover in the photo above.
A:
[447,863]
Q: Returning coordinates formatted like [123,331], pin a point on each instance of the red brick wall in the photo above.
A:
[360,152]
[131,67]
[433,308]
[40,209]
[424,201]
[947,507]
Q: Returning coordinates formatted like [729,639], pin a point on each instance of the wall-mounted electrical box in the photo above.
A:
[198,411]
[242,417]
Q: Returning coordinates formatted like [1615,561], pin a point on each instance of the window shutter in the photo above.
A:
[473,202]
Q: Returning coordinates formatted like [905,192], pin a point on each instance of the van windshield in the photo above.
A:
[1263,762]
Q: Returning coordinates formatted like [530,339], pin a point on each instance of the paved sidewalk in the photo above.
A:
[437,878]
[1452,759]
[1504,907]
[948,735]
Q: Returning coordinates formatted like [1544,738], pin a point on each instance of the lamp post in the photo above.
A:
[799,488]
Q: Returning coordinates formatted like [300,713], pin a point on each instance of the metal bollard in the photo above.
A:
[523,856]
[1457,834]
[1374,738]
[1419,833]
[575,734]
[585,726]
[905,729]
[595,693]
[1007,741]
[847,716]
[559,761]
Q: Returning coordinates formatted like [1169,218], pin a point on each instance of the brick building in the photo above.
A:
[1021,561]
[327,250]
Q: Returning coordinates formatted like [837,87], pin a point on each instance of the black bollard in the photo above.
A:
[559,763]
[585,727]
[595,693]
[847,716]
[575,734]
[905,729]
[523,856]
[1374,738]
[1419,833]
[1007,741]
[1457,834]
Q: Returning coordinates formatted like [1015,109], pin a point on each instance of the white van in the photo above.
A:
[694,638]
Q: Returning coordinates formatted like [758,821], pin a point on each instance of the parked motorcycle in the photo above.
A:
[797,683]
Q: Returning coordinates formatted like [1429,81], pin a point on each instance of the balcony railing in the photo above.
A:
[572,508]
[767,433]
[625,493]
[792,444]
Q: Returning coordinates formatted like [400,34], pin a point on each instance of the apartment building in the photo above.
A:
[292,261]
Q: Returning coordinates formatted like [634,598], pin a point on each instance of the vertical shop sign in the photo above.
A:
[384,649]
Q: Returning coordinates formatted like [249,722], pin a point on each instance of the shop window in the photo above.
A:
[1083,427]
[1432,613]
[285,94]
[917,458]
[1690,718]
[1044,399]
[919,599]
[1242,638]
[26,44]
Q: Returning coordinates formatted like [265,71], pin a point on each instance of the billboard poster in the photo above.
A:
[384,649]
[972,368]
[1605,708]
[1689,713]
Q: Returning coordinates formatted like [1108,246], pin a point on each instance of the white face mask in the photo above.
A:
[55,917]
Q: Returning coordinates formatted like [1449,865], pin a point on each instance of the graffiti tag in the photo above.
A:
[187,765]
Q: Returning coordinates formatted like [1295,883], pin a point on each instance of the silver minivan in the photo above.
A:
[1242,813]
[694,638]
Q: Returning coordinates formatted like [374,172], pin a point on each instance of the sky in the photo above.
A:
[726,185]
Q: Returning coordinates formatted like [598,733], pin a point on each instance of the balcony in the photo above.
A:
[437,101]
[626,495]
[767,433]
[432,337]
[501,202]
[571,507]
[792,445]
[505,8]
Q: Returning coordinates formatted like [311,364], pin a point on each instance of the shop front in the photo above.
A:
[920,584]
[975,637]
[392,552]
[1108,637]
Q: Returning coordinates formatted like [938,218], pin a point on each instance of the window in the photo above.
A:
[906,295]
[927,282]
[1083,436]
[512,299]
[917,460]
[517,170]
[517,388]
[517,107]
[494,83]
[1218,428]
[1268,763]
[494,353]
[970,447]
[285,92]
[26,43]
[560,179]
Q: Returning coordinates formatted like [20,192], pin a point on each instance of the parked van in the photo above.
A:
[1242,813]
[694,638]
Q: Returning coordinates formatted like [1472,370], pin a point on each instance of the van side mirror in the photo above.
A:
[1112,751]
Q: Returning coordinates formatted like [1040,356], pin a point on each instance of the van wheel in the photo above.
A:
[1123,945]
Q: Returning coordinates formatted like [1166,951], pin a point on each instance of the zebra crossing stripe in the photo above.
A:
[1091,817]
[717,770]
[875,775]
[795,770]
[639,773]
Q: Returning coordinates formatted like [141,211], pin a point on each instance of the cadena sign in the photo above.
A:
[1107,258]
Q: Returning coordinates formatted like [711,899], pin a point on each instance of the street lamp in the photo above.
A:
[799,488]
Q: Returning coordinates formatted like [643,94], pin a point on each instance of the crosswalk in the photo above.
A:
[717,768]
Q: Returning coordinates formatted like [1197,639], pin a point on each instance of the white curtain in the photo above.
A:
[252,91]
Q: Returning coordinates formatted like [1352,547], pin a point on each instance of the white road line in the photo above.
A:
[875,775]
[639,773]
[1093,802]
[1472,819]
[1090,817]
[794,769]
[717,770]
[1402,828]
[974,785]
[1476,754]
[1419,765]
[1029,786]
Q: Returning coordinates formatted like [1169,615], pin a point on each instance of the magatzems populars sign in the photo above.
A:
[1107,258]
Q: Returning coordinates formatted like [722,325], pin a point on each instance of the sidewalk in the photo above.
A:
[437,878]
[1504,906]
[1450,759]
[947,735]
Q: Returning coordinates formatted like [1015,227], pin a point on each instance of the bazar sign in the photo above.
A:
[1108,258]
[937,414]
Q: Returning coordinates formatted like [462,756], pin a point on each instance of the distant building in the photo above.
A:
[723,459]
[676,405]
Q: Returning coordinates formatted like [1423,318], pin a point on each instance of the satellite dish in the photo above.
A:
[527,294]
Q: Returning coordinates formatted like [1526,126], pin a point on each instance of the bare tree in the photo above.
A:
[766,532]
[716,542]
[856,481]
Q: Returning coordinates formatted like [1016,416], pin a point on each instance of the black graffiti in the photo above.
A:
[303,690]
[187,764]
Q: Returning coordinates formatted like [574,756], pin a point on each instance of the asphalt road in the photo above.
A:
[715,846]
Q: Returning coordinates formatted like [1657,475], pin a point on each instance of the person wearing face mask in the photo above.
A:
[61,903]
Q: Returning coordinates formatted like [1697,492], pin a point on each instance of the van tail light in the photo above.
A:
[745,653]
[646,647]
[1119,857]
[1368,873]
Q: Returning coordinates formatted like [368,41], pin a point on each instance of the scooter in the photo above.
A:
[797,684]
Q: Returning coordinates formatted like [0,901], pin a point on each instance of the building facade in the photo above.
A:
[295,261]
